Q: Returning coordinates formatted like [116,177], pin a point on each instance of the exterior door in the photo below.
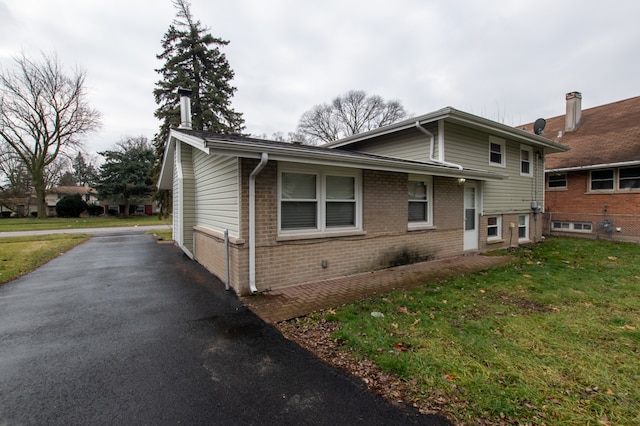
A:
[471,208]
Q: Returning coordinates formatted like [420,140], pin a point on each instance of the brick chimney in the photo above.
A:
[185,108]
[573,118]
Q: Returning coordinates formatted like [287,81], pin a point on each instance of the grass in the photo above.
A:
[28,224]
[551,339]
[19,255]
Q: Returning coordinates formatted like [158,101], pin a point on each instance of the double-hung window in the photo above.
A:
[602,180]
[318,201]
[526,156]
[494,227]
[629,178]
[557,180]
[420,200]
[496,151]
[299,201]
[523,227]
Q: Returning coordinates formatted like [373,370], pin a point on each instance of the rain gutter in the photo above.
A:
[440,158]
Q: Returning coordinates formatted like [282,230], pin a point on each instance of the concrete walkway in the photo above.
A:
[287,303]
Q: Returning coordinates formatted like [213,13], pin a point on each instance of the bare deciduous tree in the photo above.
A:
[43,112]
[349,114]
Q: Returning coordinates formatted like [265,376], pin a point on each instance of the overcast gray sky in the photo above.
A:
[511,61]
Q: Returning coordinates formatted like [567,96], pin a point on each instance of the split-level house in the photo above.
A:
[55,194]
[262,215]
[593,190]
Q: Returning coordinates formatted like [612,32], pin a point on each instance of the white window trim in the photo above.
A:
[571,227]
[526,225]
[503,151]
[322,229]
[428,181]
[499,227]
[530,151]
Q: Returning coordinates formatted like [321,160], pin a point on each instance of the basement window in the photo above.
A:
[494,227]
[572,226]
[523,227]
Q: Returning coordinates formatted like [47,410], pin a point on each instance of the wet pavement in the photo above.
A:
[121,330]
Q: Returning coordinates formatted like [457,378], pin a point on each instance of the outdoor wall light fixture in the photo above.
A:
[461,181]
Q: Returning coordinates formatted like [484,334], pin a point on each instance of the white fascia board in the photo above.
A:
[594,166]
[165,179]
[194,141]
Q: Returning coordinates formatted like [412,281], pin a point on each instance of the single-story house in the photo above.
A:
[263,215]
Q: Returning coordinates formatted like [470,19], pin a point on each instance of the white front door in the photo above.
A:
[471,208]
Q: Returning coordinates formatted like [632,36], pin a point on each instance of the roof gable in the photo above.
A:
[609,134]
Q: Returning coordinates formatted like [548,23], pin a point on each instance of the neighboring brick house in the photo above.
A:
[593,190]
[294,213]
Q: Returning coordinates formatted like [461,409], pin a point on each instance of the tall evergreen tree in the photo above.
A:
[124,175]
[193,60]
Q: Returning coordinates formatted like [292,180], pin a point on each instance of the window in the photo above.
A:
[629,178]
[299,201]
[558,180]
[318,201]
[494,228]
[496,151]
[572,226]
[419,195]
[523,227]
[340,201]
[526,154]
[601,180]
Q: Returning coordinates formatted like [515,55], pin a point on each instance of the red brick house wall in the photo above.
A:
[577,204]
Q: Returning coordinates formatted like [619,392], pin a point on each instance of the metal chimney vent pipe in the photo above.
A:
[185,108]
[573,118]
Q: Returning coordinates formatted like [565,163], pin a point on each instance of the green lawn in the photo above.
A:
[20,255]
[551,339]
[26,224]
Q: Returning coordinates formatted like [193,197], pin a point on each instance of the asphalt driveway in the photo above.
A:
[121,330]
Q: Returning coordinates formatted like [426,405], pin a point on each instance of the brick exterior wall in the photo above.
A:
[576,204]
[510,235]
[385,241]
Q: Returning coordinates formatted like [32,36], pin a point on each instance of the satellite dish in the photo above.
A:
[538,126]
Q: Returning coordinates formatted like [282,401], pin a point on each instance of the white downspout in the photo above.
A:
[252,221]
[440,144]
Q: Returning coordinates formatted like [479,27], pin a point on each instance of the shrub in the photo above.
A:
[95,210]
[71,206]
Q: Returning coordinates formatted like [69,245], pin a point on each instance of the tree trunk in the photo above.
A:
[40,188]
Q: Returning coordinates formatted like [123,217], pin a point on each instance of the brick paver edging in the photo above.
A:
[291,302]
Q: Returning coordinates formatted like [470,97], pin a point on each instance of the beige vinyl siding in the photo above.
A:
[177,191]
[188,196]
[217,199]
[470,148]
[408,145]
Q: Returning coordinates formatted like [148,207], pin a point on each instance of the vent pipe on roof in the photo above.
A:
[573,118]
[185,108]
